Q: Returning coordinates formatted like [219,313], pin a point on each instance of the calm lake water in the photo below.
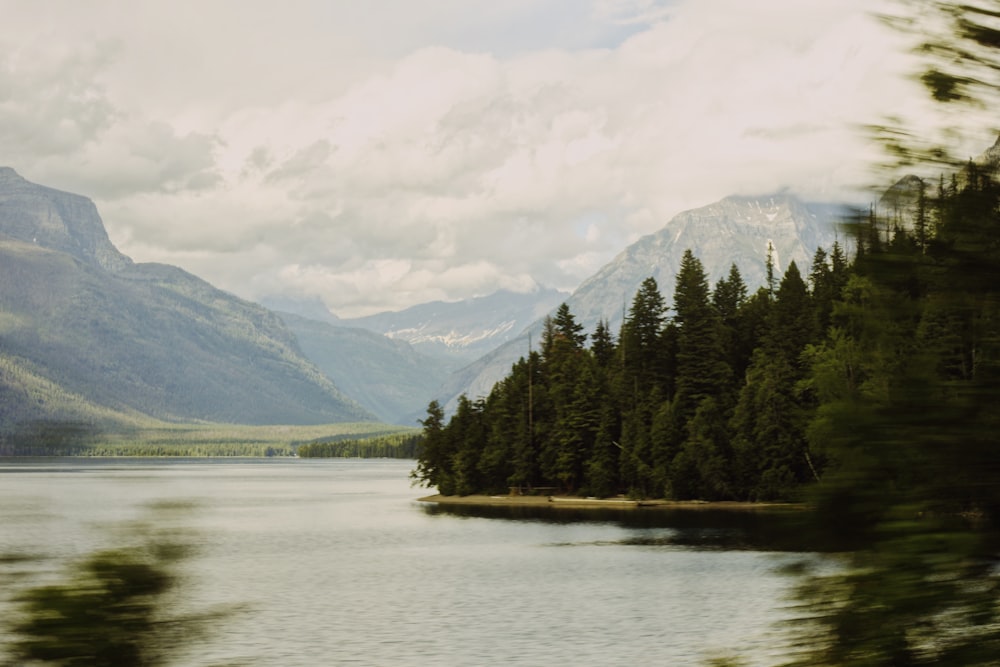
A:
[333,562]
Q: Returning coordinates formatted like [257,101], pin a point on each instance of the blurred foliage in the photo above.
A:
[102,615]
[909,385]
[959,50]
[112,608]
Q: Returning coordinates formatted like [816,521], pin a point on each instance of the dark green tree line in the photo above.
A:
[701,399]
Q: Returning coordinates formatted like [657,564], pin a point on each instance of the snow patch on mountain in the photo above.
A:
[453,338]
[463,331]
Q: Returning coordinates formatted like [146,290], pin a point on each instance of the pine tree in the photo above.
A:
[792,324]
[770,420]
[567,327]
[840,270]
[508,436]
[434,461]
[729,295]
[921,222]
[467,433]
[641,342]
[637,465]
[729,299]
[577,424]
[823,291]
[701,368]
[529,393]
[602,344]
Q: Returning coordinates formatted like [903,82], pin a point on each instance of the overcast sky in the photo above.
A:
[385,153]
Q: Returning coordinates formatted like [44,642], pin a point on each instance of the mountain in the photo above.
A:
[88,335]
[457,333]
[386,376]
[394,363]
[736,230]
[311,308]
[56,220]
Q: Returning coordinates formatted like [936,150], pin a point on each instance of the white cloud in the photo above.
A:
[631,11]
[51,101]
[379,157]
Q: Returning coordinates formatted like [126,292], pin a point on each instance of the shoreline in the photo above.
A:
[578,502]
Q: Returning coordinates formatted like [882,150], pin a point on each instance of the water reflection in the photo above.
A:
[771,529]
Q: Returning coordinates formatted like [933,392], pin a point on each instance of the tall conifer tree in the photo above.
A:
[701,367]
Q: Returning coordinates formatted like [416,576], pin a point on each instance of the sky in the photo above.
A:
[381,154]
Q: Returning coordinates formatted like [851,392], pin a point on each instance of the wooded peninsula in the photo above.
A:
[725,395]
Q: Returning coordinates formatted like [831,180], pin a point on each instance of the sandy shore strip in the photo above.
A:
[620,502]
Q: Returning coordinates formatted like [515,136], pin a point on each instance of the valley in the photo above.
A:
[89,336]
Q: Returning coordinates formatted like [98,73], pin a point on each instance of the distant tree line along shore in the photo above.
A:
[395,446]
[354,440]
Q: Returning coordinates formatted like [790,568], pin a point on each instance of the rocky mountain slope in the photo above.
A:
[88,335]
[55,220]
[733,230]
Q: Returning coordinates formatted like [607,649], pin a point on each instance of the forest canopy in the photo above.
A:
[707,398]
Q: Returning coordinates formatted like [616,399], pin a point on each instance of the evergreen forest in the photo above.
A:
[731,395]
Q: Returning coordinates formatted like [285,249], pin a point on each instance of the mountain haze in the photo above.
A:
[459,332]
[86,334]
[386,376]
[393,363]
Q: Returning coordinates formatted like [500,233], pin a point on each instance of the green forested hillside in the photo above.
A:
[89,337]
[79,342]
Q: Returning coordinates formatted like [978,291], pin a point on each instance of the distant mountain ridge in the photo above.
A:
[394,363]
[88,335]
[386,376]
[462,331]
[737,229]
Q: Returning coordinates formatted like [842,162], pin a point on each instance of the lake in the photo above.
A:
[333,562]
